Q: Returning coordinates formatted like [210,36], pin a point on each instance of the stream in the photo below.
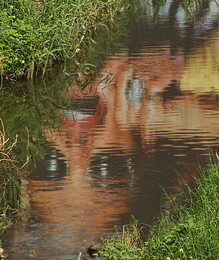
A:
[149,120]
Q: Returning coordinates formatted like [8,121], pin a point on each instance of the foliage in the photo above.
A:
[125,244]
[35,33]
[188,233]
[10,190]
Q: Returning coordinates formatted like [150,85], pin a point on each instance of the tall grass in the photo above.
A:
[35,33]
[187,233]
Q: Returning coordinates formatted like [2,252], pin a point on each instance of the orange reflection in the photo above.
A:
[131,99]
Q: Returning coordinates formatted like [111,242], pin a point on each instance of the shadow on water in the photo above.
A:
[148,120]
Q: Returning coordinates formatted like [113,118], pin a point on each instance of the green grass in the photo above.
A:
[33,34]
[190,232]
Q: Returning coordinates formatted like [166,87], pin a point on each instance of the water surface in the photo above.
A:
[148,120]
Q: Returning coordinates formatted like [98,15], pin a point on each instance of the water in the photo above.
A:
[149,120]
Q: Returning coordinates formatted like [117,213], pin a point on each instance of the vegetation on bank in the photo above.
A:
[10,179]
[188,232]
[34,33]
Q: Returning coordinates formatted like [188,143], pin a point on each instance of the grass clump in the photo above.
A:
[186,233]
[34,33]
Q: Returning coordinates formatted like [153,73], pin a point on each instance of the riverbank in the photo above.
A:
[34,34]
[188,232]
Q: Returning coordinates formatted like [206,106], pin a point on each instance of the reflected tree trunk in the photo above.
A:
[175,34]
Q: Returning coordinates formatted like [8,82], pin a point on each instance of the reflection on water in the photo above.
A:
[151,117]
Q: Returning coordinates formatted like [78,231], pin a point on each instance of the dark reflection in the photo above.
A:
[87,105]
[172,91]
[53,167]
[145,173]
[175,23]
